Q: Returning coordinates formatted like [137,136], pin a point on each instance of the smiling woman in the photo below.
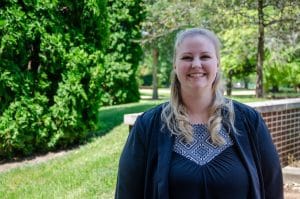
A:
[195,144]
[196,89]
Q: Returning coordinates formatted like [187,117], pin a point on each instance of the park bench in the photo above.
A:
[129,119]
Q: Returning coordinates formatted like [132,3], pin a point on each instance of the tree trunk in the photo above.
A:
[246,82]
[34,62]
[154,73]
[229,84]
[275,89]
[260,51]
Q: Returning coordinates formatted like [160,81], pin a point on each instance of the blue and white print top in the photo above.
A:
[201,150]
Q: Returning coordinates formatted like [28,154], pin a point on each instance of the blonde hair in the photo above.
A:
[174,114]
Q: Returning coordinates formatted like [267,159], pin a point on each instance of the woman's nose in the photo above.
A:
[196,63]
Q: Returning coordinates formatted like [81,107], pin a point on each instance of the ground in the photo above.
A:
[5,166]
[292,191]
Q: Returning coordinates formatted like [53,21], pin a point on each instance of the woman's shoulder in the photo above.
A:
[148,122]
[153,112]
[245,110]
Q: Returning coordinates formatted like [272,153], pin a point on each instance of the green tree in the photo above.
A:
[282,13]
[124,51]
[238,54]
[52,54]
[60,61]
[282,62]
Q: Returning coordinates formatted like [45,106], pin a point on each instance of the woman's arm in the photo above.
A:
[269,161]
[131,173]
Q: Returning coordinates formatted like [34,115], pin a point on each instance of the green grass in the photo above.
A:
[112,116]
[86,172]
[282,95]
[247,98]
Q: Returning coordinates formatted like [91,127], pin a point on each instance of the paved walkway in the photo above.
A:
[30,161]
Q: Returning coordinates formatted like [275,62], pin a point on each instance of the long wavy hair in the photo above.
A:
[174,114]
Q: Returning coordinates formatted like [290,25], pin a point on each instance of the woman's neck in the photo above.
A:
[197,105]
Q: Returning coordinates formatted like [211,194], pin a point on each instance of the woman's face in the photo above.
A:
[196,64]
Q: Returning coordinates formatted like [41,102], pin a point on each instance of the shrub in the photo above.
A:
[61,61]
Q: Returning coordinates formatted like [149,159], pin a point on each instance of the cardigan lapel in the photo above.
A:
[165,143]
[244,148]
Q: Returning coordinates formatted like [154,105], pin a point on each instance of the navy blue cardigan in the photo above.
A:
[145,160]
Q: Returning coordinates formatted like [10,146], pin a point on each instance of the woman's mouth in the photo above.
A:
[197,74]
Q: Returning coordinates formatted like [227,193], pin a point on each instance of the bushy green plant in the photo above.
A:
[125,17]
[61,61]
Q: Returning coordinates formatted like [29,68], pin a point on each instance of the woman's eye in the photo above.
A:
[187,58]
[205,57]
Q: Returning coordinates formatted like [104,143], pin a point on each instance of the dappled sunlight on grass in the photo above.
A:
[87,172]
[247,98]
[112,116]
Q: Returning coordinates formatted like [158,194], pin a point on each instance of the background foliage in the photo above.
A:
[60,61]
[236,23]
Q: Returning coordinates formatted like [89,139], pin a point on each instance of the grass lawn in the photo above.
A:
[86,172]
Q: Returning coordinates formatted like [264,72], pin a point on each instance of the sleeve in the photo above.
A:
[269,161]
[131,171]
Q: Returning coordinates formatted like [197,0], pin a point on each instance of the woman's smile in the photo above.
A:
[196,74]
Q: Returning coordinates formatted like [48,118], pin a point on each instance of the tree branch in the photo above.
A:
[279,21]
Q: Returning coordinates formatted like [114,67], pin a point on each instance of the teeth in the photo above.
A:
[197,75]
